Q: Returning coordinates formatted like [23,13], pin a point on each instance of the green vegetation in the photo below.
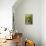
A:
[28,19]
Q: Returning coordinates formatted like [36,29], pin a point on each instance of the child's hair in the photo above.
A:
[32,43]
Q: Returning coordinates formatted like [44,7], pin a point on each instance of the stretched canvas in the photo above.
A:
[29,19]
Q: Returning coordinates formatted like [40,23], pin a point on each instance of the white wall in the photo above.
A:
[6,13]
[30,31]
[43,22]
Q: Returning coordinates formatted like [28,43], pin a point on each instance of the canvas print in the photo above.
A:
[29,19]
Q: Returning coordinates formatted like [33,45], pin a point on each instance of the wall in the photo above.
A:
[43,22]
[6,13]
[29,31]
